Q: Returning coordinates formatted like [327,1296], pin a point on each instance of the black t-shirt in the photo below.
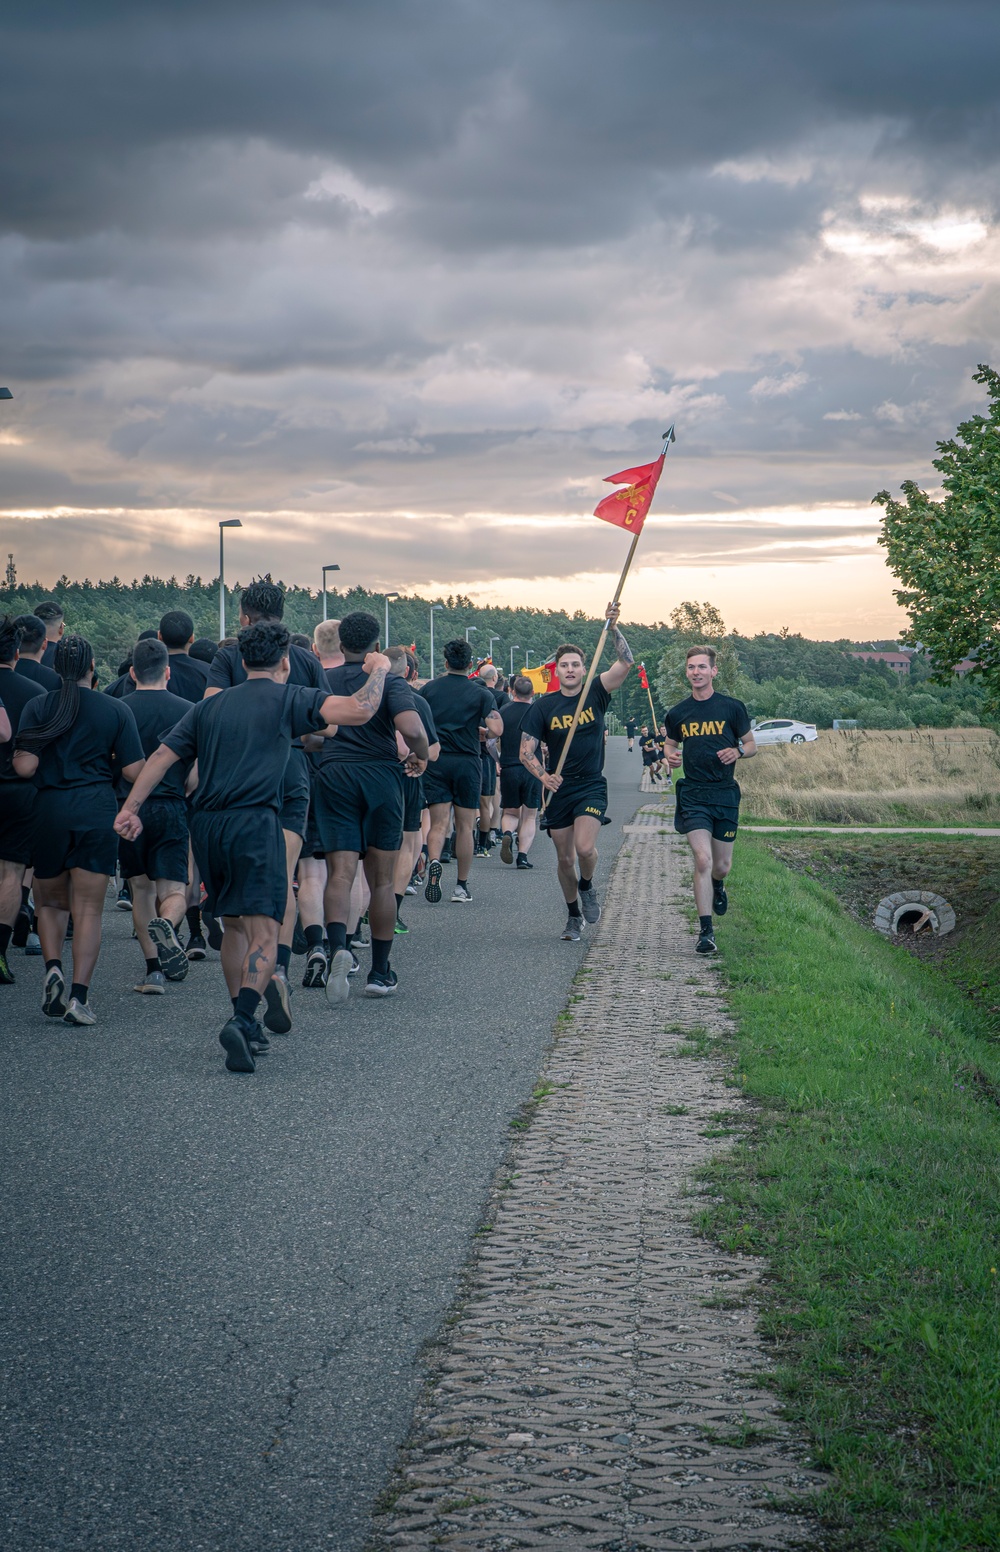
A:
[188,676]
[241,740]
[120,687]
[102,740]
[512,716]
[49,655]
[155,712]
[15,692]
[226,669]
[501,697]
[631,728]
[548,719]
[703,728]
[376,740]
[459,706]
[426,716]
[38,673]
[650,751]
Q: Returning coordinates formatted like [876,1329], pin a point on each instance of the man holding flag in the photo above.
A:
[577,807]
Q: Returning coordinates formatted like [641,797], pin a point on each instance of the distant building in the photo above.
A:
[965,667]
[899,662]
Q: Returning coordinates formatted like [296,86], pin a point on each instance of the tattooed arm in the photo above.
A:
[615,675]
[532,763]
[354,710]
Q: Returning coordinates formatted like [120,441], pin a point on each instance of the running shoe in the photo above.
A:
[124,901]
[316,968]
[337,985]
[447,854]
[153,984]
[706,943]
[571,933]
[196,947]
[523,863]
[33,947]
[432,893]
[400,929]
[480,851]
[54,993]
[234,1037]
[462,895]
[356,941]
[355,962]
[299,944]
[590,906]
[720,900]
[79,1013]
[22,928]
[6,973]
[412,886]
[257,1040]
[379,984]
[214,929]
[173,960]
[507,848]
[278,1005]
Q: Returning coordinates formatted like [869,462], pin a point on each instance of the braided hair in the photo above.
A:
[73,659]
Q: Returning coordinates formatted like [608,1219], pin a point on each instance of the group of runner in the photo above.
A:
[275,787]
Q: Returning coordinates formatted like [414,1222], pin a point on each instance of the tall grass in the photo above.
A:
[855,777]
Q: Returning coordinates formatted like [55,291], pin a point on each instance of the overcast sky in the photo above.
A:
[398,283]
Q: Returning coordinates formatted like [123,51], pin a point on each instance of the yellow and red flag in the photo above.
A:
[543,679]
[627,508]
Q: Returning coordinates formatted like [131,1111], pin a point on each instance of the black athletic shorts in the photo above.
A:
[17,821]
[573,800]
[712,806]
[295,793]
[360,805]
[414,802]
[240,855]
[73,829]
[518,788]
[161,851]
[489,784]
[454,778]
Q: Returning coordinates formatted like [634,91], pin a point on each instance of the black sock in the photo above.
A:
[705,922]
[247,1001]
[284,957]
[399,901]
[25,896]
[6,933]
[233,1000]
[151,965]
[79,991]
[586,883]
[574,909]
[193,918]
[314,937]
[521,854]
[380,954]
[337,934]
[463,883]
[52,964]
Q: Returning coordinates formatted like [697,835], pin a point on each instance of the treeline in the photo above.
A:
[779,673]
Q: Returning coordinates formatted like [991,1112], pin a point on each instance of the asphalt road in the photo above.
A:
[215,1288]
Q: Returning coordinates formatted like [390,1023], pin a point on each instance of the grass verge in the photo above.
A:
[871,1185]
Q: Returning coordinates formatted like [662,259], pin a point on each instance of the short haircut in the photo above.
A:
[708,652]
[398,657]
[412,664]
[10,638]
[568,647]
[300,639]
[176,629]
[147,635]
[457,653]
[326,638]
[489,671]
[262,600]
[32,631]
[263,644]
[204,649]
[49,612]
[150,660]
[358,631]
[522,687]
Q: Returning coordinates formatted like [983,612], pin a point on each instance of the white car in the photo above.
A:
[782,730]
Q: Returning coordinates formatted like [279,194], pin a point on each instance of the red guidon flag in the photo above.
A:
[627,508]
[644,682]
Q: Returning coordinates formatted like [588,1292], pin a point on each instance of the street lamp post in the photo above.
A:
[387,597]
[325,570]
[227,522]
[515,648]
[527,658]
[472,628]
[492,640]
[434,610]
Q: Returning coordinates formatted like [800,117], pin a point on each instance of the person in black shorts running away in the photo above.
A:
[241,740]
[76,744]
[520,791]
[712,732]
[264,602]
[359,808]
[631,728]
[578,807]
[461,707]
[17,797]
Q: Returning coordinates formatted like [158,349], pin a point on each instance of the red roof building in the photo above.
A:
[899,662]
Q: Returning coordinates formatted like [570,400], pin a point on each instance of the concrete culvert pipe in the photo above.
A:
[912,911]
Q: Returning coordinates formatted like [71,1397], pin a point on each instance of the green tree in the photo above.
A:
[696,625]
[945,552]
